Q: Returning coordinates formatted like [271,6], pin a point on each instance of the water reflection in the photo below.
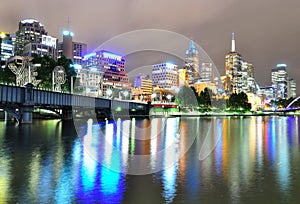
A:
[253,159]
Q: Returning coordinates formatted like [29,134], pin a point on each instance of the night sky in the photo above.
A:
[267,31]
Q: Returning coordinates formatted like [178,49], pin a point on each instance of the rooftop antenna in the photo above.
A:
[68,26]
[233,43]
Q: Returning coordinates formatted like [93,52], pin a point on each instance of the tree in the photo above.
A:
[239,102]
[6,76]
[46,68]
[187,97]
[204,100]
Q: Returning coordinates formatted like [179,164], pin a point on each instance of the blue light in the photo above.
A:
[68,33]
[89,55]
[77,66]
[170,65]
[281,65]
[112,56]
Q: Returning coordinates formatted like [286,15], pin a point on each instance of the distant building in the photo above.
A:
[6,47]
[32,37]
[111,67]
[165,76]
[183,77]
[72,50]
[206,72]
[279,78]
[144,82]
[192,63]
[291,88]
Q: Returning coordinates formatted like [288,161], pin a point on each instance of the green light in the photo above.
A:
[119,109]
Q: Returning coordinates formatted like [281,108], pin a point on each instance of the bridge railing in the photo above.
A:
[11,94]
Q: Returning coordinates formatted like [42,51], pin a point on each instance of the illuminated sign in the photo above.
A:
[112,56]
[49,41]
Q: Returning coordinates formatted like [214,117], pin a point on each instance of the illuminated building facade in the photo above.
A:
[6,47]
[233,65]
[33,38]
[291,88]
[72,50]
[192,63]
[111,67]
[183,77]
[206,72]
[144,83]
[165,76]
[279,80]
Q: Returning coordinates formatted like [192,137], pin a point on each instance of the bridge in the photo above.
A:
[20,103]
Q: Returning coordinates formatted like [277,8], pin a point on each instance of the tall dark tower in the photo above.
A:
[68,44]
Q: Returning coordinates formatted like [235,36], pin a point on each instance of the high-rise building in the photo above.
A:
[6,47]
[291,88]
[32,37]
[233,65]
[112,69]
[143,87]
[183,77]
[279,80]
[192,63]
[165,75]
[72,50]
[206,72]
[144,82]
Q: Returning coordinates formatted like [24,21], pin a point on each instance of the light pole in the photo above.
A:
[169,97]
[109,92]
[125,94]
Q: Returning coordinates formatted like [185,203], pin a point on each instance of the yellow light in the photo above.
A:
[2,35]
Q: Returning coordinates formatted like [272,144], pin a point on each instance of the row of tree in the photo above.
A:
[44,72]
[188,98]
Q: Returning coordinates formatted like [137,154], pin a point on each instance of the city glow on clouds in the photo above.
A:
[209,23]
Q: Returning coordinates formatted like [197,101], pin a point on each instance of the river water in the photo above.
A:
[163,160]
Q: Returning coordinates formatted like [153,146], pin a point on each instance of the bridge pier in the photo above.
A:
[26,114]
[67,114]
[28,105]
[8,116]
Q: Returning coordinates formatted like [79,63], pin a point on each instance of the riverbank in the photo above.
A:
[214,114]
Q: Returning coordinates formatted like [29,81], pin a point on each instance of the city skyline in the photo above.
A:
[267,36]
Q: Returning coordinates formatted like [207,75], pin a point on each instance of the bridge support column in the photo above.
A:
[67,114]
[8,116]
[26,114]
[27,108]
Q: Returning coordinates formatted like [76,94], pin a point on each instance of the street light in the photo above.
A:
[125,94]
[109,92]
[169,97]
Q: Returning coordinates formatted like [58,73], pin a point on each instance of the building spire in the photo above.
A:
[233,43]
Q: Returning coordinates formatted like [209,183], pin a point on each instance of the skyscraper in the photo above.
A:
[291,88]
[279,80]
[192,63]
[6,47]
[165,75]
[72,50]
[233,64]
[32,37]
[112,69]
[206,72]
